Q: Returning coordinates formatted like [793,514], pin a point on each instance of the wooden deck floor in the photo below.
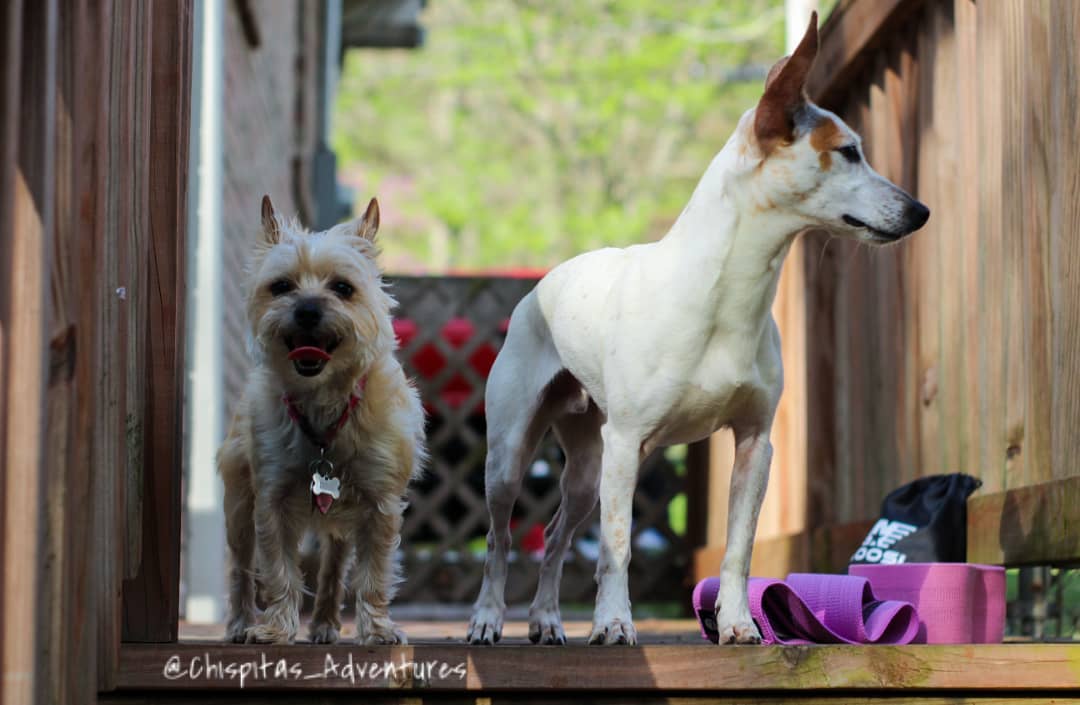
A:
[515,632]
[671,661]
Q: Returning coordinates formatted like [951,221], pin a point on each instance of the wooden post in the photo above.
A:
[151,598]
[26,221]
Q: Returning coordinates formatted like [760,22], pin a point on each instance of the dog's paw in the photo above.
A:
[485,627]
[277,625]
[614,631]
[545,627]
[236,631]
[269,634]
[323,633]
[739,631]
[382,635]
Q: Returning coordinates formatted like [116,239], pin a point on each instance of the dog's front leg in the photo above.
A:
[277,539]
[612,623]
[375,576]
[326,617]
[750,477]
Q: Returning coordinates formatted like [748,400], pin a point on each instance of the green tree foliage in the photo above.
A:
[524,132]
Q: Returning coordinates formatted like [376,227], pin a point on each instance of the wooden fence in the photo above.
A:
[93,170]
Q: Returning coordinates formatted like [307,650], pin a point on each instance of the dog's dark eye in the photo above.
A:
[281,286]
[850,153]
[342,288]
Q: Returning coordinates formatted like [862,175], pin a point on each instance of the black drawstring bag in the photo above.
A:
[924,521]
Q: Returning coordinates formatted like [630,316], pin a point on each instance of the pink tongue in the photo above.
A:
[324,501]
[308,352]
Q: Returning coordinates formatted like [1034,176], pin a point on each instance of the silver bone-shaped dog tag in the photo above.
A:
[324,483]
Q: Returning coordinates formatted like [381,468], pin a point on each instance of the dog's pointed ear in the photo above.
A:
[369,224]
[785,92]
[271,229]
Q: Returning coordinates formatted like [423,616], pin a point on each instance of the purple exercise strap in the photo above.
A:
[815,609]
[921,603]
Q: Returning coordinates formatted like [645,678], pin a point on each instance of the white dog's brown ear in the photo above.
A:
[785,92]
[271,229]
[369,224]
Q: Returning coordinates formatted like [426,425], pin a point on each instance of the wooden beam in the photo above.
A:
[826,549]
[558,698]
[25,246]
[151,598]
[69,649]
[853,29]
[772,557]
[454,667]
[1029,525]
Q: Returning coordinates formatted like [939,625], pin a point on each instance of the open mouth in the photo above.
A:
[310,353]
[875,234]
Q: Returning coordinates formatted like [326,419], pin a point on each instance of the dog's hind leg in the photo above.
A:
[579,435]
[518,416]
[240,536]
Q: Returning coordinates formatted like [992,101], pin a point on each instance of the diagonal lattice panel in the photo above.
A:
[450,329]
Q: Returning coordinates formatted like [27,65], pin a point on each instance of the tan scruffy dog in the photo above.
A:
[327,437]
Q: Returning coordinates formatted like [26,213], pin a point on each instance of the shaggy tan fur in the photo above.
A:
[265,460]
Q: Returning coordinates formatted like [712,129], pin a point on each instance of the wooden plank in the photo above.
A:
[721,463]
[994,449]
[151,599]
[905,96]
[1065,220]
[10,111]
[772,557]
[133,252]
[848,38]
[824,549]
[947,224]
[1037,524]
[1065,246]
[1036,194]
[24,319]
[969,238]
[1002,667]
[113,206]
[544,698]
[68,652]
[1014,162]
[929,269]
[831,547]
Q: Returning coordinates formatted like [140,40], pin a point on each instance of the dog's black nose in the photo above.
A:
[307,314]
[916,216]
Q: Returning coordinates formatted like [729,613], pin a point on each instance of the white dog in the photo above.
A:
[621,351]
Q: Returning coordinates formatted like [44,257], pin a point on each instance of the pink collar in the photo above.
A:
[324,439]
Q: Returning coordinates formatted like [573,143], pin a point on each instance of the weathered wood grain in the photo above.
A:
[847,37]
[1064,226]
[1010,667]
[1014,165]
[1035,205]
[969,425]
[1037,524]
[928,243]
[151,598]
[294,698]
[25,241]
[991,263]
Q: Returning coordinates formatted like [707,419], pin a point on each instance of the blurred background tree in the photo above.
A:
[525,132]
